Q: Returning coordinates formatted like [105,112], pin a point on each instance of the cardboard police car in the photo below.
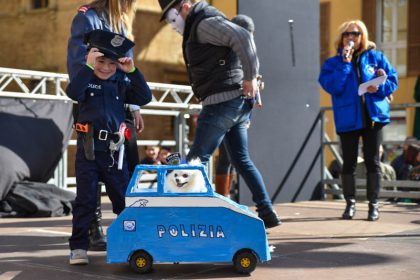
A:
[160,225]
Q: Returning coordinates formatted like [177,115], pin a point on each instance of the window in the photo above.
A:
[146,182]
[413,40]
[184,181]
[369,17]
[393,25]
[324,22]
[39,4]
[393,33]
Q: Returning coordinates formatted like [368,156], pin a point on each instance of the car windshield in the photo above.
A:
[146,182]
[174,180]
[184,181]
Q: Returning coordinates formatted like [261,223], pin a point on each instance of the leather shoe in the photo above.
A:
[270,219]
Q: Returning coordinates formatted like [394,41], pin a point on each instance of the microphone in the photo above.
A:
[347,54]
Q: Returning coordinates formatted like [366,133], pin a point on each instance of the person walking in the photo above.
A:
[225,172]
[222,65]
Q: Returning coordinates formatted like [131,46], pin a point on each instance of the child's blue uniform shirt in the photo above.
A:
[101,102]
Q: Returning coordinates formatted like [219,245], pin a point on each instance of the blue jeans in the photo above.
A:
[229,120]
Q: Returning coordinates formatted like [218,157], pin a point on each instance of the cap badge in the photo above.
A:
[174,159]
[117,41]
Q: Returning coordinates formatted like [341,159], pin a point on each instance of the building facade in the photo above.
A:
[34,34]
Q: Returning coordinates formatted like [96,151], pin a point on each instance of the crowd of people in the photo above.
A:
[223,68]
[155,154]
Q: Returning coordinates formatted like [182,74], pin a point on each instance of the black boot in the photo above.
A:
[349,191]
[97,240]
[373,186]
[350,209]
[373,214]
[270,219]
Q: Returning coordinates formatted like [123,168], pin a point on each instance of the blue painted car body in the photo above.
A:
[182,227]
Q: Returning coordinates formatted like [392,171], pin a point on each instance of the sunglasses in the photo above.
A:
[353,33]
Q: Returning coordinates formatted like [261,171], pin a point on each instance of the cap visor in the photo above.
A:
[108,53]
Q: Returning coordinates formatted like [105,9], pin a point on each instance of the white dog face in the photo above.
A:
[183,181]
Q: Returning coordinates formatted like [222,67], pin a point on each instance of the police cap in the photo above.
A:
[112,45]
[165,5]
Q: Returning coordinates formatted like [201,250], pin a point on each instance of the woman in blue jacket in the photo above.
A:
[116,16]
[356,62]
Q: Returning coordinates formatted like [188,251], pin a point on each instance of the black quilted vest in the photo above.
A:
[211,69]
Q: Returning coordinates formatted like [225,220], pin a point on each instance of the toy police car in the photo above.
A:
[162,226]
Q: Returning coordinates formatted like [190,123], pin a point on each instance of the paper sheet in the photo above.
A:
[374,82]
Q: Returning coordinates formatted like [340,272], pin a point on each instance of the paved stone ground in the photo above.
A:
[312,243]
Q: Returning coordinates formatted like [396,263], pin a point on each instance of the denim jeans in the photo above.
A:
[229,120]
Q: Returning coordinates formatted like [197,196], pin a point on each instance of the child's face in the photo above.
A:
[163,154]
[152,152]
[105,68]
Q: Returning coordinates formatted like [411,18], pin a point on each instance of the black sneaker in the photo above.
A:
[270,219]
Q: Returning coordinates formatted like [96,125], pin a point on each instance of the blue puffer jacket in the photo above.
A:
[339,79]
[86,20]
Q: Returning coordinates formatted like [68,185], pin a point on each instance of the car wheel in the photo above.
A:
[245,261]
[141,262]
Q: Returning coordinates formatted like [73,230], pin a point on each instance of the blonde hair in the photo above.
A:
[120,14]
[364,42]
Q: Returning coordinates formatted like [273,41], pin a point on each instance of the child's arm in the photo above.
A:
[77,87]
[138,92]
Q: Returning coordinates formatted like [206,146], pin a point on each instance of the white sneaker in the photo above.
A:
[78,256]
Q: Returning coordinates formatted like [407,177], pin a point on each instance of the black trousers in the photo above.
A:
[371,139]
[88,175]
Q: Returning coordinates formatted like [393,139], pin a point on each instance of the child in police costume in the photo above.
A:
[101,96]
[115,16]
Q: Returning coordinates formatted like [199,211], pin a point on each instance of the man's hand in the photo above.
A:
[126,64]
[260,82]
[138,121]
[249,88]
[93,54]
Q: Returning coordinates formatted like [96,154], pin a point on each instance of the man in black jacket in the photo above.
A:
[222,66]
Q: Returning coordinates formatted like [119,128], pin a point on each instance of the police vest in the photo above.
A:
[211,69]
